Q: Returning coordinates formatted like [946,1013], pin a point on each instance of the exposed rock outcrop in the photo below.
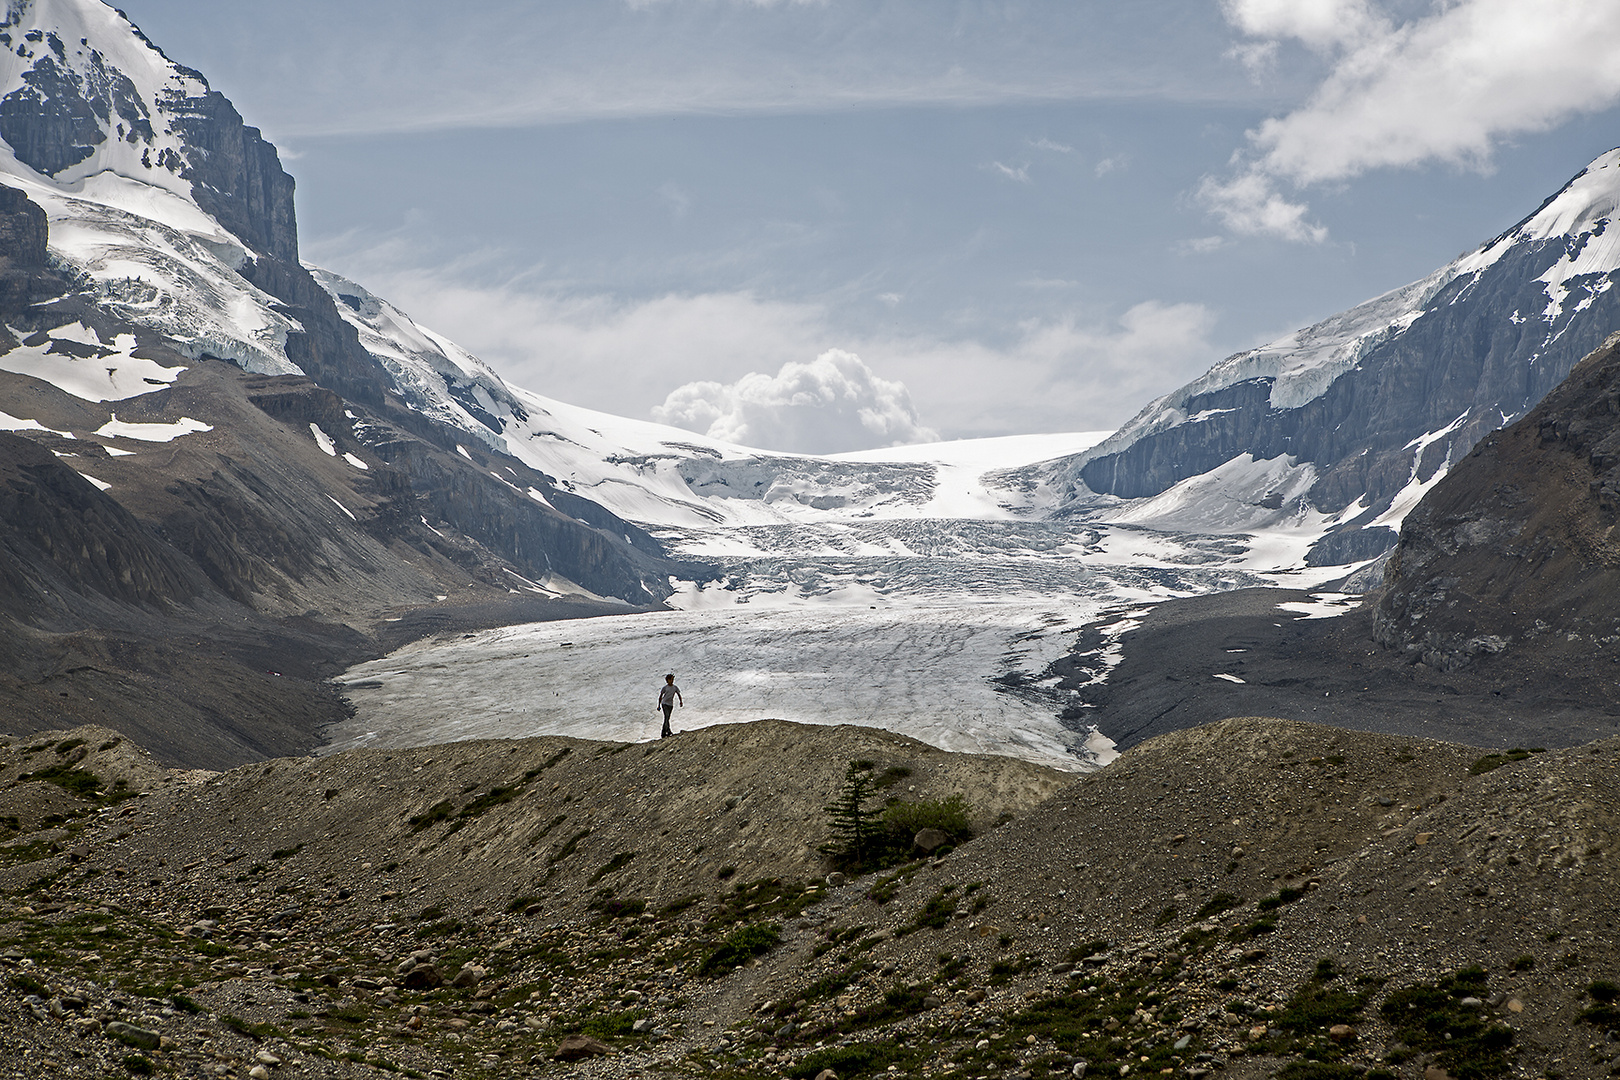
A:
[1516,547]
[25,273]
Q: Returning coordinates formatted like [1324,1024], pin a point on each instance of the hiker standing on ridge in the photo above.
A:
[668,695]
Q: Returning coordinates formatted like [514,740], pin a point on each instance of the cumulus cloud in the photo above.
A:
[1444,87]
[833,403]
[1083,371]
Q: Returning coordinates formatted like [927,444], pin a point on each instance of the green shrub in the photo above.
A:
[904,820]
[1085,949]
[1317,1070]
[891,776]
[618,862]
[439,811]
[740,946]
[1466,1042]
[1604,1014]
[80,782]
[936,913]
[858,1059]
[1220,902]
[568,848]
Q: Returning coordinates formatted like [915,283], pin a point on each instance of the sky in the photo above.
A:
[824,225]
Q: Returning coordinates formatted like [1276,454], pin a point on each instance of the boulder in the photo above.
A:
[580,1047]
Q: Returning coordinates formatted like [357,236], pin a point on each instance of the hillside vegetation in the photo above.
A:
[1254,897]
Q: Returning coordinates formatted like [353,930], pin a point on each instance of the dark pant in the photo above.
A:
[667,710]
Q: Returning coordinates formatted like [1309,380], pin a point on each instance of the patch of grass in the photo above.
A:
[251,1030]
[548,763]
[611,908]
[1523,963]
[139,1065]
[935,914]
[887,886]
[27,984]
[492,798]
[1492,762]
[70,778]
[1603,1013]
[1165,917]
[857,1059]
[739,947]
[1317,1070]
[552,824]
[725,873]
[520,904]
[1316,1006]
[1085,949]
[1467,1042]
[1003,970]
[439,811]
[68,744]
[442,928]
[1279,898]
[568,848]
[826,986]
[898,1001]
[678,905]
[762,899]
[891,776]
[1266,922]
[904,820]
[618,862]
[286,852]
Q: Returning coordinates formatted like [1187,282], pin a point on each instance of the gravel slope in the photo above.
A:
[1170,911]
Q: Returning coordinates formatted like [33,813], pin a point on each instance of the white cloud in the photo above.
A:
[1249,203]
[1446,87]
[1054,147]
[1111,164]
[833,403]
[627,356]
[1201,245]
[1319,24]
[1019,174]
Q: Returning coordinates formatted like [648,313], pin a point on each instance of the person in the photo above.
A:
[668,695]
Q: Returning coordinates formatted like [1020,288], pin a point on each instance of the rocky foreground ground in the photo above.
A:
[1249,898]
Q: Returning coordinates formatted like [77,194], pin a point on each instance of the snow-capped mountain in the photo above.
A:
[206,435]
[1342,426]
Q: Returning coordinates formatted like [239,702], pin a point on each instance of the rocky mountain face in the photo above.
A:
[1370,406]
[197,451]
[1515,549]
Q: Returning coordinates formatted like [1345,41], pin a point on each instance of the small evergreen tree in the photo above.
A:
[856,830]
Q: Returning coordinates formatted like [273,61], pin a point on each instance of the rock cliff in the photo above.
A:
[1516,548]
